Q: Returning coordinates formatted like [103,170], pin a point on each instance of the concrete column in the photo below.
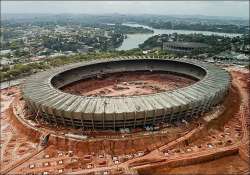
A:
[82,120]
[114,121]
[103,118]
[72,121]
[172,114]
[64,123]
[103,121]
[48,118]
[164,115]
[93,124]
[124,120]
[134,119]
[46,113]
[154,117]
[145,118]
[55,119]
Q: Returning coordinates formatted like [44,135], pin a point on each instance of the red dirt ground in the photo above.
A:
[127,84]
[234,165]
[232,127]
[176,150]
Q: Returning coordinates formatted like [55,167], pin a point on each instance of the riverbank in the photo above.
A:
[133,40]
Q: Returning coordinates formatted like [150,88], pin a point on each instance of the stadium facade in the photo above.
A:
[184,46]
[44,98]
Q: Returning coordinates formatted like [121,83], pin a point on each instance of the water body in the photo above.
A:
[133,40]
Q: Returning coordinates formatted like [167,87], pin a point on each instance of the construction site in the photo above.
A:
[128,84]
[137,116]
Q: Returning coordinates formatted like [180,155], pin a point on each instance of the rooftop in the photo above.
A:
[187,44]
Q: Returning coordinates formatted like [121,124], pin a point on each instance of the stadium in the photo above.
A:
[48,94]
[184,46]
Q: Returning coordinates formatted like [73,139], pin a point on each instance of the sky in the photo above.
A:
[207,8]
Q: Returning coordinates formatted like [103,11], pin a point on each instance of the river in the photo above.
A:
[133,40]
